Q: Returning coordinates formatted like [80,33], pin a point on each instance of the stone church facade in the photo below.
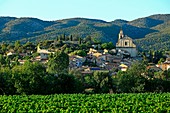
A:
[125,43]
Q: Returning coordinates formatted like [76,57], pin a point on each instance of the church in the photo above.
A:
[125,43]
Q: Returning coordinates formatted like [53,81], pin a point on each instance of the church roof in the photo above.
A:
[126,37]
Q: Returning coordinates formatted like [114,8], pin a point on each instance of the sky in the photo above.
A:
[107,10]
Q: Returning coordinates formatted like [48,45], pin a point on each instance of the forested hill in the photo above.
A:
[152,31]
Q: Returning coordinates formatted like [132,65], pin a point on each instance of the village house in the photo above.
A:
[43,53]
[153,68]
[21,61]
[108,57]
[110,66]
[10,53]
[123,67]
[76,61]
[104,60]
[165,65]
[101,60]
[92,55]
[117,59]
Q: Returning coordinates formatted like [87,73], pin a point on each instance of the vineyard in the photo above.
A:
[68,103]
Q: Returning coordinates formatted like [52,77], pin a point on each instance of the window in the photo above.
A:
[126,43]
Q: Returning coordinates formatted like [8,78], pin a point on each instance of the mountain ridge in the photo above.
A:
[34,29]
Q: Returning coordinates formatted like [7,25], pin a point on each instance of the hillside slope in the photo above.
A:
[147,31]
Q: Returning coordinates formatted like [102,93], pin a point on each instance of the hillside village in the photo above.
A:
[72,64]
[115,59]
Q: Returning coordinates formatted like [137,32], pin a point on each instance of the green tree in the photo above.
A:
[79,52]
[161,60]
[50,84]
[63,47]
[88,44]
[71,38]
[7,61]
[6,81]
[17,45]
[64,37]
[58,63]
[2,85]
[83,47]
[2,60]
[10,47]
[80,41]
[28,78]
[100,81]
[108,45]
[104,46]
[68,83]
[88,39]
[29,46]
[133,80]
[15,62]
[4,48]
[68,50]
[62,83]
[111,45]
[168,73]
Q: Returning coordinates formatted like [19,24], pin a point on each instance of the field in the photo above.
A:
[68,103]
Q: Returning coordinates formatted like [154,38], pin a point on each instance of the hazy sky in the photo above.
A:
[107,10]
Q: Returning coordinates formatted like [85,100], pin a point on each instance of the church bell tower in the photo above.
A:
[121,34]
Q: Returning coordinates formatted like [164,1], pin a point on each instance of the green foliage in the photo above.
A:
[155,56]
[33,78]
[2,60]
[79,52]
[168,73]
[100,81]
[154,28]
[132,80]
[61,83]
[161,60]
[35,55]
[146,22]
[104,45]
[28,78]
[154,42]
[17,45]
[137,79]
[6,83]
[3,48]
[98,103]
[108,45]
[58,63]
[29,46]
[68,50]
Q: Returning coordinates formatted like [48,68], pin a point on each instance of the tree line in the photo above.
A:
[56,78]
